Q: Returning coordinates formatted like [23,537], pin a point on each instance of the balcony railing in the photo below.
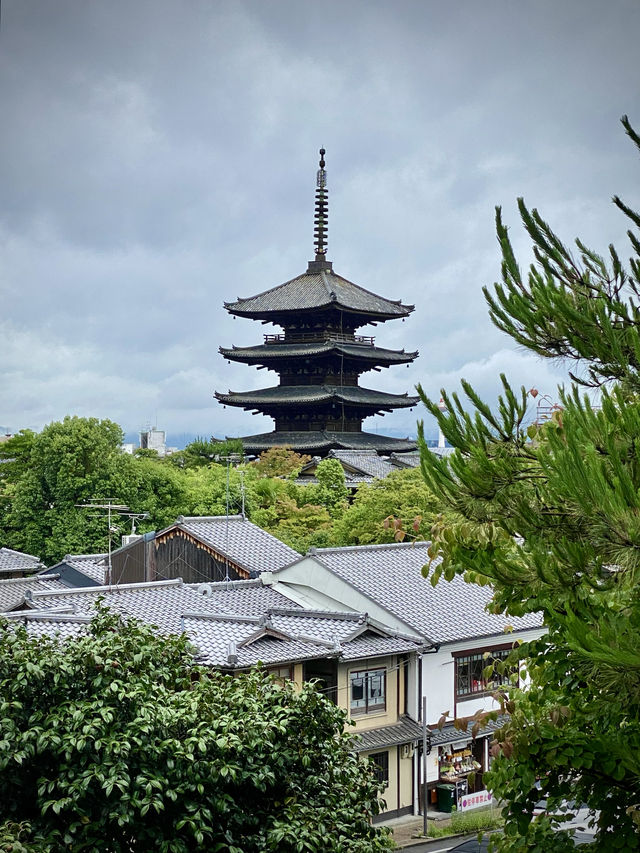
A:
[319,337]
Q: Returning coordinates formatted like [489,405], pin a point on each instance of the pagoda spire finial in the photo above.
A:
[320,221]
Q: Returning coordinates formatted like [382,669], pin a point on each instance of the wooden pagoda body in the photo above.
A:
[318,404]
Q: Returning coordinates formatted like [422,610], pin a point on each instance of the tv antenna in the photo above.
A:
[121,510]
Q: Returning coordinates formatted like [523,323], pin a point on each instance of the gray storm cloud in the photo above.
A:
[158,158]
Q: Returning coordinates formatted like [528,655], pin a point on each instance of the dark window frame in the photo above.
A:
[469,681]
[380,761]
[369,685]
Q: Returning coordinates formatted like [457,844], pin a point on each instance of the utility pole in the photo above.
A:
[424,766]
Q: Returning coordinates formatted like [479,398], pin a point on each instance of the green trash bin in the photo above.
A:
[446,797]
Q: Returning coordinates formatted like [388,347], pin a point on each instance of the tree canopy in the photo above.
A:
[402,496]
[549,514]
[47,476]
[117,741]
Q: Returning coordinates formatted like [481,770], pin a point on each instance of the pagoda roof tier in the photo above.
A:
[312,395]
[279,351]
[323,441]
[318,288]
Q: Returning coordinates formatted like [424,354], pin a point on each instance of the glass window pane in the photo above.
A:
[463,667]
[375,692]
[358,698]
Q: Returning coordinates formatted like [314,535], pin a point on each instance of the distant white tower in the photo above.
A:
[443,408]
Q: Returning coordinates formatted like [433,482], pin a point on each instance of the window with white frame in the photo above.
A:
[368,691]
[470,672]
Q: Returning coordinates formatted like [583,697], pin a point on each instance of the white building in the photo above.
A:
[387,583]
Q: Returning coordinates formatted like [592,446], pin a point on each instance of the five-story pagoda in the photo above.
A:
[318,404]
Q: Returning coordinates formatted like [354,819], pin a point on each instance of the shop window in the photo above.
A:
[368,691]
[470,680]
[380,761]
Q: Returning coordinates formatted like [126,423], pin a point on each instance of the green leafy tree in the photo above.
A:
[147,485]
[301,526]
[117,741]
[49,475]
[202,452]
[402,496]
[549,514]
[280,462]
[330,491]
[14,456]
[67,463]
[207,491]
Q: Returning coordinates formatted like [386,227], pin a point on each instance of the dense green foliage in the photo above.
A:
[203,451]
[550,515]
[117,741]
[45,478]
[402,496]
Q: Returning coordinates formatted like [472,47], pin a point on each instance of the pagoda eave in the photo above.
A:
[321,442]
[279,353]
[314,395]
[282,317]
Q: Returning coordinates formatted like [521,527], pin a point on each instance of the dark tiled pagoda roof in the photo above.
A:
[316,290]
[319,442]
[294,395]
[264,353]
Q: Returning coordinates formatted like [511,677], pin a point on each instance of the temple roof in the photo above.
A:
[286,395]
[318,288]
[263,353]
[322,441]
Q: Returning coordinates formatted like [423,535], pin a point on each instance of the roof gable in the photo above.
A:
[387,581]
[391,575]
[234,538]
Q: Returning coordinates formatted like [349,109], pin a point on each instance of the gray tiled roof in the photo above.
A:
[391,576]
[312,442]
[449,733]
[265,353]
[366,461]
[263,624]
[13,590]
[243,542]
[412,459]
[163,603]
[325,625]
[300,394]
[212,638]
[409,459]
[91,565]
[12,561]
[405,730]
[318,290]
[370,646]
[286,635]
[43,623]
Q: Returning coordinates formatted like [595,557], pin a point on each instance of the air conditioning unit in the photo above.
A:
[407,750]
[132,537]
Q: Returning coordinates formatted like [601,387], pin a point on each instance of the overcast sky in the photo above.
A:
[158,157]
